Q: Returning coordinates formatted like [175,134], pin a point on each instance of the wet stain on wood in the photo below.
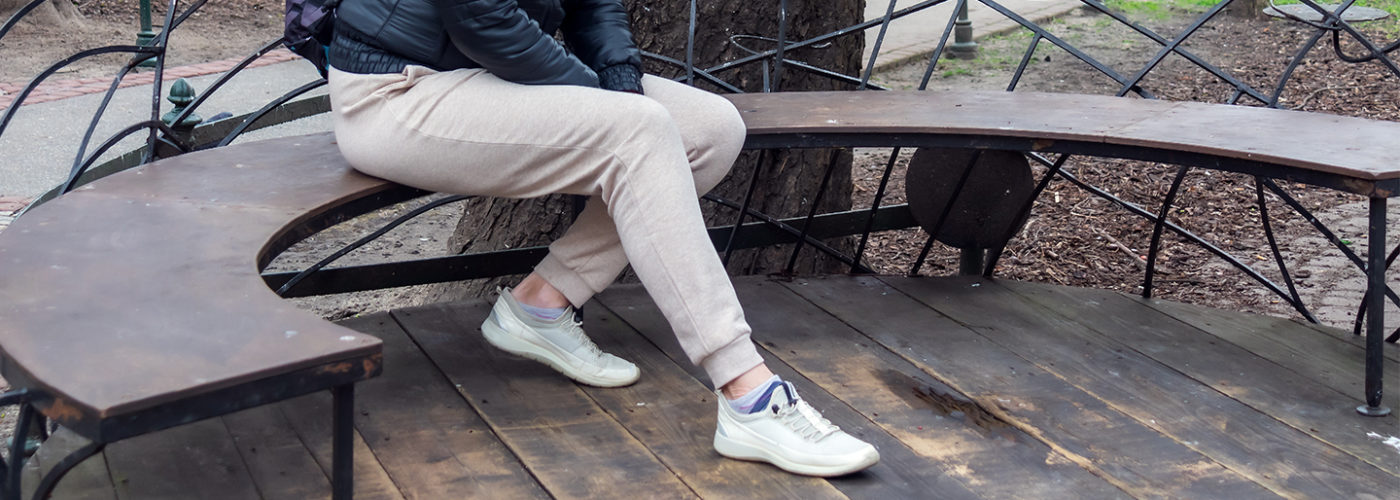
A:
[949,405]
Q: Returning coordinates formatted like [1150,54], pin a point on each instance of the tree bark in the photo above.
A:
[1248,9]
[789,180]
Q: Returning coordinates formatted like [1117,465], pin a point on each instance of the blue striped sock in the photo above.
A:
[543,313]
[756,399]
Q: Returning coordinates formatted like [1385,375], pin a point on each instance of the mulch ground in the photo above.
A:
[1075,238]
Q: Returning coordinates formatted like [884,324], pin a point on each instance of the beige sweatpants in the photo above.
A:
[643,160]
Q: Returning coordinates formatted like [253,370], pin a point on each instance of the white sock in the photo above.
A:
[543,313]
[746,403]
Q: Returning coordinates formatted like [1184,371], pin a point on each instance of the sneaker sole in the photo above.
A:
[740,451]
[497,336]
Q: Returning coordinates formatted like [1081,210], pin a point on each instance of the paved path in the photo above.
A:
[42,142]
[62,89]
[916,35]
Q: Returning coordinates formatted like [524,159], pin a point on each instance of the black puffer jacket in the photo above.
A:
[511,38]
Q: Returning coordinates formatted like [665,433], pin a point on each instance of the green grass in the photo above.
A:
[1003,52]
[1194,5]
[1138,9]
[994,53]
[1158,9]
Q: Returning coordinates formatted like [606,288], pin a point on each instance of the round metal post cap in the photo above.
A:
[1353,14]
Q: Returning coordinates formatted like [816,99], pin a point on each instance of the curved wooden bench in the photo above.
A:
[1344,153]
[135,303]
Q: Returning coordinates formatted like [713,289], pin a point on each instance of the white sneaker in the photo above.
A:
[561,344]
[792,435]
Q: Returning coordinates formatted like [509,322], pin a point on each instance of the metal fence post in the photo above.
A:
[963,46]
[146,36]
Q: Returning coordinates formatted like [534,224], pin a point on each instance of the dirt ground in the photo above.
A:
[1077,239]
[219,30]
[1072,238]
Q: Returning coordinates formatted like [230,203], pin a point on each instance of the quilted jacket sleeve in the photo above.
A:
[600,34]
[500,37]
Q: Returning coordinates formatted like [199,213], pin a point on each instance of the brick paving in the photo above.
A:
[9,206]
[63,89]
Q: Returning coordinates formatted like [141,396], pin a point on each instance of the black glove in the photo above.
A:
[621,77]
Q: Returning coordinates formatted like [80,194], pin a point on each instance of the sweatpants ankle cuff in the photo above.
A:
[731,361]
[568,282]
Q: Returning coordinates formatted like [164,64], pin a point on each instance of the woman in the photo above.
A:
[478,97]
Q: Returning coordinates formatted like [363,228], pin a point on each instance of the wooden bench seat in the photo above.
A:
[143,289]
[1349,154]
[135,302]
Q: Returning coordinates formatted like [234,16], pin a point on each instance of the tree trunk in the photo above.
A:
[52,13]
[1248,9]
[789,180]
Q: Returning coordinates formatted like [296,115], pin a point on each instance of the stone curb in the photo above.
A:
[63,89]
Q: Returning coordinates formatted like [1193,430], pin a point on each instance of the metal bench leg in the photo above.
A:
[17,458]
[1375,306]
[343,442]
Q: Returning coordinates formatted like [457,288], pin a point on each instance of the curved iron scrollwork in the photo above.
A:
[31,428]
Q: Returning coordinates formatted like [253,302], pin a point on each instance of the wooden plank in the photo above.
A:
[1012,397]
[1391,351]
[573,447]
[58,283]
[310,418]
[673,414]
[197,460]
[901,473]
[1310,407]
[1299,347]
[87,481]
[1305,343]
[1248,442]
[429,441]
[1209,129]
[279,463]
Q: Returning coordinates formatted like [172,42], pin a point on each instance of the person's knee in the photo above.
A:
[723,127]
[650,117]
[647,139]
[722,139]
[645,122]
[730,128]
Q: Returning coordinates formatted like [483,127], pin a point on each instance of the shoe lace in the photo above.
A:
[806,421]
[575,329]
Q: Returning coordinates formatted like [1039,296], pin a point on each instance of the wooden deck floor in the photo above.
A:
[970,389]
